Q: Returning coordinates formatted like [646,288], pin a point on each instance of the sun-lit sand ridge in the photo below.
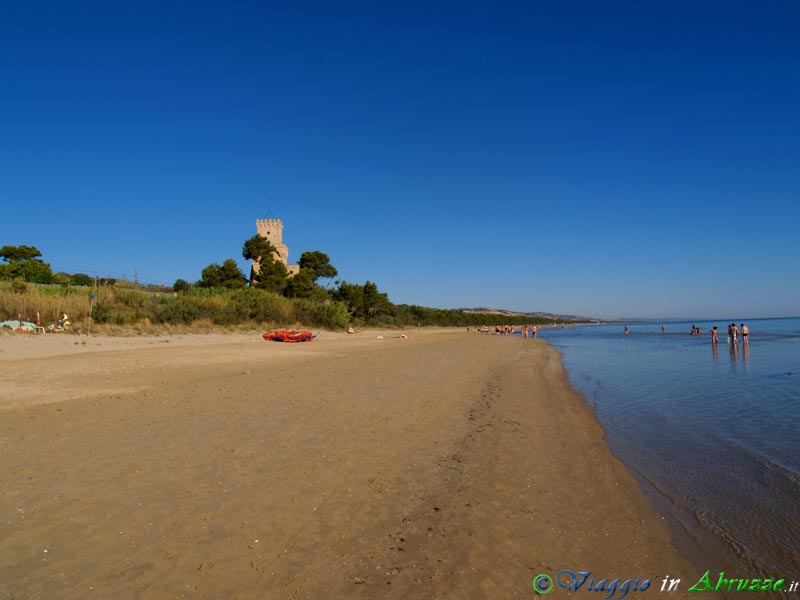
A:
[447,465]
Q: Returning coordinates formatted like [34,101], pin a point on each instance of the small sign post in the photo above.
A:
[91,305]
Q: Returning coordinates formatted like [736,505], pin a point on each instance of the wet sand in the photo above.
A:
[447,465]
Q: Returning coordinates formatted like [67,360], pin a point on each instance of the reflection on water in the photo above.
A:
[738,355]
[734,348]
[720,443]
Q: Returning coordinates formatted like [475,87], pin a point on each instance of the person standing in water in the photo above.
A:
[714,338]
[745,333]
[663,329]
[627,331]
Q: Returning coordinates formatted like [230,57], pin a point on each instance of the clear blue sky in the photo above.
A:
[602,158]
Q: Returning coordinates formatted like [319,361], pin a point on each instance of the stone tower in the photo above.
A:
[272,229]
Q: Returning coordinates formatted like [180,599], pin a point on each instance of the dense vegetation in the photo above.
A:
[24,264]
[223,296]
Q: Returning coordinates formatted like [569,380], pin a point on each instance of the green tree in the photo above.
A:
[60,278]
[352,295]
[272,274]
[210,276]
[19,253]
[231,276]
[256,248]
[301,285]
[318,263]
[23,262]
[34,271]
[375,302]
[363,301]
[181,285]
[80,279]
[226,275]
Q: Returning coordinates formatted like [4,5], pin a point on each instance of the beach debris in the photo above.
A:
[19,325]
[350,330]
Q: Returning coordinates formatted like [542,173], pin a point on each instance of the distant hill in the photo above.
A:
[511,313]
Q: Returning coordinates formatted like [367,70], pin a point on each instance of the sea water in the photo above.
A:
[712,433]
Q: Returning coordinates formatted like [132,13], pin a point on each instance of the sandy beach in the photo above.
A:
[445,465]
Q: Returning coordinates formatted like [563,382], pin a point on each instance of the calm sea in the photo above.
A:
[712,434]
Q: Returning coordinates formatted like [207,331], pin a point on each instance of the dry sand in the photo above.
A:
[447,465]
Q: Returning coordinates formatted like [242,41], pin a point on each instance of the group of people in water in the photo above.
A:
[525,331]
[733,333]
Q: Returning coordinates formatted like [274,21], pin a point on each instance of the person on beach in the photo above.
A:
[663,329]
[714,339]
[535,330]
[735,332]
[745,333]
[730,334]
[627,331]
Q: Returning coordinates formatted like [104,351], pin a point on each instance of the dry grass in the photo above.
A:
[49,302]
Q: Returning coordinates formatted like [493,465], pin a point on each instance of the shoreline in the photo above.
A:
[444,465]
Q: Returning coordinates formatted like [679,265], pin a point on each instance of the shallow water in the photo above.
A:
[712,434]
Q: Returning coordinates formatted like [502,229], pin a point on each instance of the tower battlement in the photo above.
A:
[272,229]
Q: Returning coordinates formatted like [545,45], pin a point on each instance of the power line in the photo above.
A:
[107,275]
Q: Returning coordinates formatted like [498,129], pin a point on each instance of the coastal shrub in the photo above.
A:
[124,307]
[81,279]
[181,285]
[264,306]
[332,315]
[180,312]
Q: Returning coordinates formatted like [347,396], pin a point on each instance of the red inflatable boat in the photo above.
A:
[284,335]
